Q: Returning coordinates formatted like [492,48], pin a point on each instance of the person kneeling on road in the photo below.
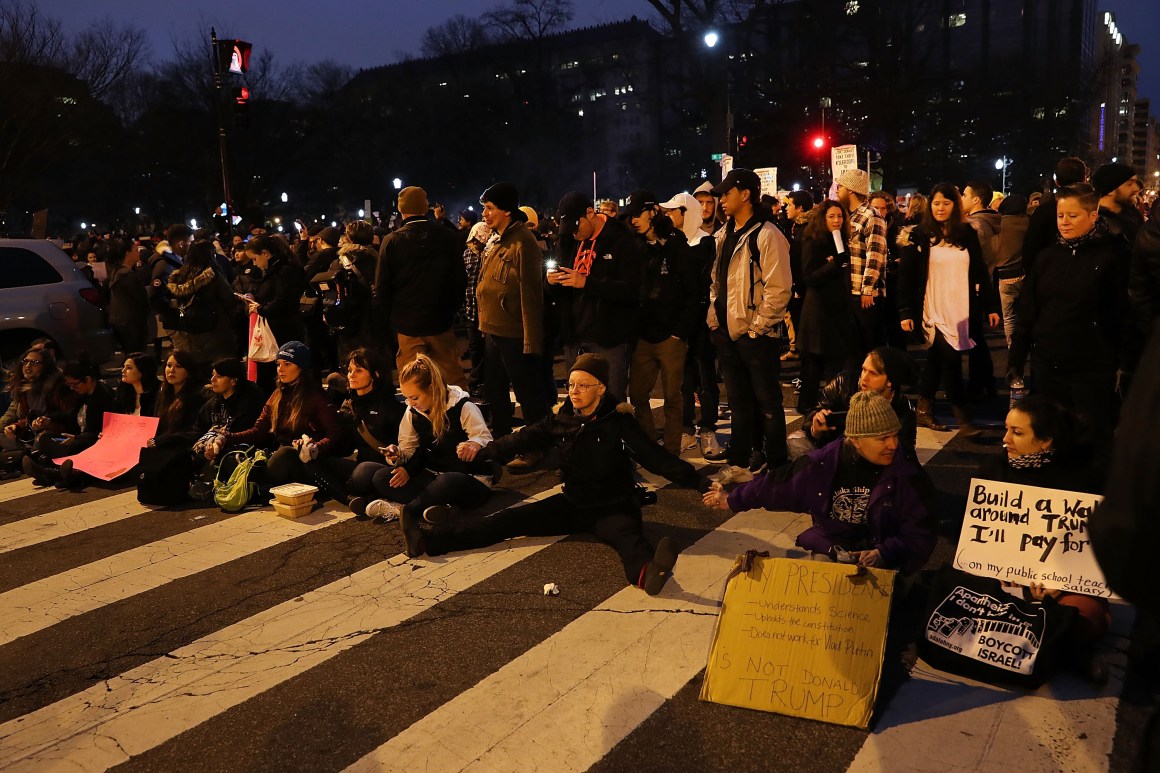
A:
[598,442]
[870,504]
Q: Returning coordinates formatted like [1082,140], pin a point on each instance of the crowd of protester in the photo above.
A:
[375,397]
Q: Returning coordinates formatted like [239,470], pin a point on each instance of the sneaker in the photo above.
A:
[383,511]
[436,514]
[657,571]
[201,490]
[734,474]
[688,442]
[710,448]
[757,463]
[524,463]
[412,537]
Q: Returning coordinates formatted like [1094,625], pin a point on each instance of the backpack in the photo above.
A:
[164,474]
[343,297]
[237,492]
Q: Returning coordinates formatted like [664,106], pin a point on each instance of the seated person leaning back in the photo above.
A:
[885,370]
[865,497]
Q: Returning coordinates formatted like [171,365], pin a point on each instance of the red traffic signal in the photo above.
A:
[819,142]
[234,56]
[241,96]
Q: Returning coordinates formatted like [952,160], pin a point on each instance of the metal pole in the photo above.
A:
[223,149]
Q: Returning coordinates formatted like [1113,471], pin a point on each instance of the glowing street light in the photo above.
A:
[136,210]
[361,214]
[397,183]
[285,198]
[711,39]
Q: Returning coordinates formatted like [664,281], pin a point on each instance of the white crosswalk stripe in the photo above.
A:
[564,703]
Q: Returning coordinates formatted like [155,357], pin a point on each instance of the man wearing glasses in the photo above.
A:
[598,441]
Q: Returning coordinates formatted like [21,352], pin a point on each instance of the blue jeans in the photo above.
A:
[1009,292]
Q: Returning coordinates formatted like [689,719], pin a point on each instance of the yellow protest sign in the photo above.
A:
[803,638]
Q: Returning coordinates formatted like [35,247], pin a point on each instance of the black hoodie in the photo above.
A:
[605,311]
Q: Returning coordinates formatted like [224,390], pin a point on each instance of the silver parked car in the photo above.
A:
[44,295]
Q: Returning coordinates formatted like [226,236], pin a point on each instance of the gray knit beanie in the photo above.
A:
[870,416]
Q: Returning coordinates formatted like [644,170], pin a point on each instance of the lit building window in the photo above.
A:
[957,20]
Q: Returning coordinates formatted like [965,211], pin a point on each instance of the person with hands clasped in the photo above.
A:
[436,463]
[296,421]
[868,501]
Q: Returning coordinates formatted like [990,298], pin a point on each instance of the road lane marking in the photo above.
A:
[566,702]
[38,605]
[70,520]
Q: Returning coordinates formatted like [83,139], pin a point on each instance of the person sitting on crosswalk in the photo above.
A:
[436,463]
[870,504]
[598,441]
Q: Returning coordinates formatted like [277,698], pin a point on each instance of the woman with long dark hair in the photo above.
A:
[180,397]
[128,305]
[370,418]
[297,424]
[37,391]
[137,392]
[824,333]
[74,429]
[434,464]
[944,283]
[277,295]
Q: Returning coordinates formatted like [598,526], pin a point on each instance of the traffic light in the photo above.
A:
[819,142]
[743,140]
[234,56]
[241,105]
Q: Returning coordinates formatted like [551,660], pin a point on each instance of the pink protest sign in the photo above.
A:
[122,439]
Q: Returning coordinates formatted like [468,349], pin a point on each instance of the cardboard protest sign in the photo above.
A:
[768,177]
[803,638]
[119,448]
[843,158]
[1026,534]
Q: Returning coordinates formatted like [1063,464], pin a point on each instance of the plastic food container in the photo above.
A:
[294,494]
[293,511]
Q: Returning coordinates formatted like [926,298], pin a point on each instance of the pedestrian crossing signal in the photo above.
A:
[234,56]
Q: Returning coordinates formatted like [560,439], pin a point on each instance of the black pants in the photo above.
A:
[979,364]
[816,369]
[752,370]
[701,379]
[507,365]
[476,354]
[131,337]
[866,330]
[422,491]
[618,526]
[332,475]
[944,366]
[1090,393]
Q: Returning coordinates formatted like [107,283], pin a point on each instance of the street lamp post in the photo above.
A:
[1002,164]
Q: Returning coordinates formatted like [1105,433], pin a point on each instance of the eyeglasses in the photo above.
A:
[581,388]
[27,361]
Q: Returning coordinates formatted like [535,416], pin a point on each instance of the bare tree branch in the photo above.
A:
[458,34]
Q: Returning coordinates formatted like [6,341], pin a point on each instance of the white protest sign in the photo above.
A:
[726,163]
[843,158]
[768,177]
[1026,534]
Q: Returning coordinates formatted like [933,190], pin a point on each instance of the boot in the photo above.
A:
[967,429]
[924,417]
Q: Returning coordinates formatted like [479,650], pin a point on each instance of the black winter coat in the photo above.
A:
[826,319]
[835,396]
[278,293]
[128,299]
[597,454]
[1144,278]
[606,310]
[915,269]
[669,302]
[420,281]
[377,414]
[1073,307]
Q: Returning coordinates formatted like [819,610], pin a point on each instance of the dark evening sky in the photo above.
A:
[368,33]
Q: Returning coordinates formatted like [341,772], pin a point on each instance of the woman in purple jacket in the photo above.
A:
[869,504]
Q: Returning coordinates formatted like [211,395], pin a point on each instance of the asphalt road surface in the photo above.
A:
[193,640]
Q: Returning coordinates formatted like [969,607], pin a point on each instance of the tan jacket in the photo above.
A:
[758,293]
[510,293]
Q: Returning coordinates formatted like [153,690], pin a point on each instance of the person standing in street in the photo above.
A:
[750,290]
[868,260]
[419,286]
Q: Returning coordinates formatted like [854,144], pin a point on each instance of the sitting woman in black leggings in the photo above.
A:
[434,465]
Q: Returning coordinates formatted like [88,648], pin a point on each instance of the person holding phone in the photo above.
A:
[434,464]
[885,371]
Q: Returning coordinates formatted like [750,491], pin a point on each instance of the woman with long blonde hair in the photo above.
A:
[434,465]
